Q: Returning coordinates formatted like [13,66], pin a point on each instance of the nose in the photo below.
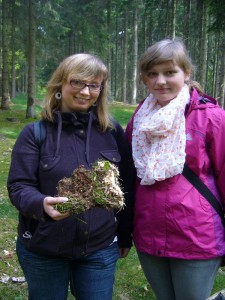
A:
[85,90]
[160,79]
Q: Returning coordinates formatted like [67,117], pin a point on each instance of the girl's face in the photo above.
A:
[80,95]
[165,81]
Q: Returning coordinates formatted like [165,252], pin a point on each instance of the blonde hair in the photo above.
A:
[164,51]
[83,66]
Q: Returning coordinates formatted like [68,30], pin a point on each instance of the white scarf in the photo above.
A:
[159,138]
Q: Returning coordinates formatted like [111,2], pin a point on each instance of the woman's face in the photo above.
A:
[165,81]
[76,96]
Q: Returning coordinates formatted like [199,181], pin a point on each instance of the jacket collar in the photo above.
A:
[74,118]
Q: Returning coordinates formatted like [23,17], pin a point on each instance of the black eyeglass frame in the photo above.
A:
[97,87]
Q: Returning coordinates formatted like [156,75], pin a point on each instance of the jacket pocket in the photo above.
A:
[111,155]
[49,238]
[48,162]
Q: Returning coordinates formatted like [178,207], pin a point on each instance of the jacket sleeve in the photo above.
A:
[23,180]
[127,176]
[216,138]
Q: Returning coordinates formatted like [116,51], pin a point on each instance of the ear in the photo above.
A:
[144,79]
[187,77]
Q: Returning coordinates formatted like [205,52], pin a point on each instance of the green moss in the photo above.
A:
[85,189]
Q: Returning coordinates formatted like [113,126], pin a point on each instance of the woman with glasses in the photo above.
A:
[56,250]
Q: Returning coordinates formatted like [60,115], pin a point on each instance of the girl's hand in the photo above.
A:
[50,210]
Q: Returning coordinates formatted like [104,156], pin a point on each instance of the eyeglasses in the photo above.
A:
[80,85]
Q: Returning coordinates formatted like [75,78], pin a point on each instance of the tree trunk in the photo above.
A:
[222,75]
[125,59]
[204,46]
[109,54]
[30,113]
[215,68]
[187,29]
[115,62]
[5,80]
[13,70]
[173,16]
[135,57]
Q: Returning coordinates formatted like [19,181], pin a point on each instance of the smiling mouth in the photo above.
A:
[162,90]
[81,100]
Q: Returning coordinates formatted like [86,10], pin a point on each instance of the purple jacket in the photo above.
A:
[73,140]
[171,218]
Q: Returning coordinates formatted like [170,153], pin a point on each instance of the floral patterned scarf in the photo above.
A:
[159,138]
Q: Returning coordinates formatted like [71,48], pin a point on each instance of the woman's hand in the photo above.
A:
[49,208]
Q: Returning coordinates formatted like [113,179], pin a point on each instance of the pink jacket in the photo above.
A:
[171,218]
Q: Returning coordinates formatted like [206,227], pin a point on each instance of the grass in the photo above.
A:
[130,283]
[121,112]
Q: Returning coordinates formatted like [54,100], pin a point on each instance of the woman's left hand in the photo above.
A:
[49,208]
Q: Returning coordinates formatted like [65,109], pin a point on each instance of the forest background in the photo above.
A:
[37,35]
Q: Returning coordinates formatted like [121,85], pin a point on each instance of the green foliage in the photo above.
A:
[109,33]
[217,11]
